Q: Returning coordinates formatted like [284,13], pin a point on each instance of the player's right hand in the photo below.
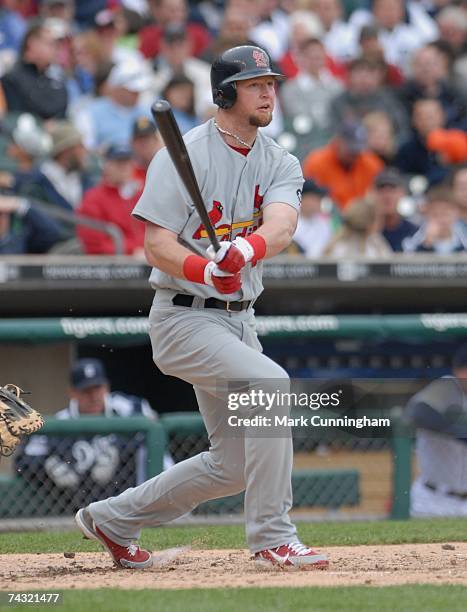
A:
[229,258]
[223,282]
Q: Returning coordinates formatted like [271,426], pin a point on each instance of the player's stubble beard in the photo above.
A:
[259,120]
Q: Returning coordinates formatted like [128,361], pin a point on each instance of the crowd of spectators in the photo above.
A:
[373,105]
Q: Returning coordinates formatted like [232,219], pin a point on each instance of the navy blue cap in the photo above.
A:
[143,126]
[87,373]
[354,134]
[309,186]
[118,152]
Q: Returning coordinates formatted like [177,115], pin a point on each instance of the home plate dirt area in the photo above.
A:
[185,568]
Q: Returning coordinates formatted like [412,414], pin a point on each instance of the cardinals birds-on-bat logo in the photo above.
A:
[215,215]
[238,228]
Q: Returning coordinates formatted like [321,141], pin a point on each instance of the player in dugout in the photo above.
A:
[439,412]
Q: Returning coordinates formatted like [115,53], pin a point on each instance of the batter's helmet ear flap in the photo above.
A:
[225,96]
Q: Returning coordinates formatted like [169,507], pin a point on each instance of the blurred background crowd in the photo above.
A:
[373,105]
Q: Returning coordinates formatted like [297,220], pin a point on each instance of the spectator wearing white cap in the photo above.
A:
[29,142]
[28,145]
[109,119]
[61,179]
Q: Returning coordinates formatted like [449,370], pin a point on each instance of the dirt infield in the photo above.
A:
[186,568]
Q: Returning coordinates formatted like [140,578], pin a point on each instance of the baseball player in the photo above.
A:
[202,324]
[83,468]
[439,413]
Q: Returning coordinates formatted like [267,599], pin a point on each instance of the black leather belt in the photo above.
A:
[181,299]
[457,494]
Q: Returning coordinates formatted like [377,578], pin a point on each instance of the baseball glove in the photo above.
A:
[16,419]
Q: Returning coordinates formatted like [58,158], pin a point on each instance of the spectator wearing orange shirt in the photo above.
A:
[112,201]
[344,166]
[450,145]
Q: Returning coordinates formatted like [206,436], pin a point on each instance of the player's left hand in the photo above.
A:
[232,256]
[222,281]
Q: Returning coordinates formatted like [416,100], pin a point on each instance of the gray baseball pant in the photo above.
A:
[203,347]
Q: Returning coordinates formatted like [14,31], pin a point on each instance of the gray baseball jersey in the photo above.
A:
[235,189]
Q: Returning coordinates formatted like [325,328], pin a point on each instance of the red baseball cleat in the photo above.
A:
[129,557]
[292,556]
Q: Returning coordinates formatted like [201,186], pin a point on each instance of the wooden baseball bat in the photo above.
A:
[170,132]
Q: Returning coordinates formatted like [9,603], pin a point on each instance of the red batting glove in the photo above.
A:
[229,258]
[233,256]
[200,270]
[222,281]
